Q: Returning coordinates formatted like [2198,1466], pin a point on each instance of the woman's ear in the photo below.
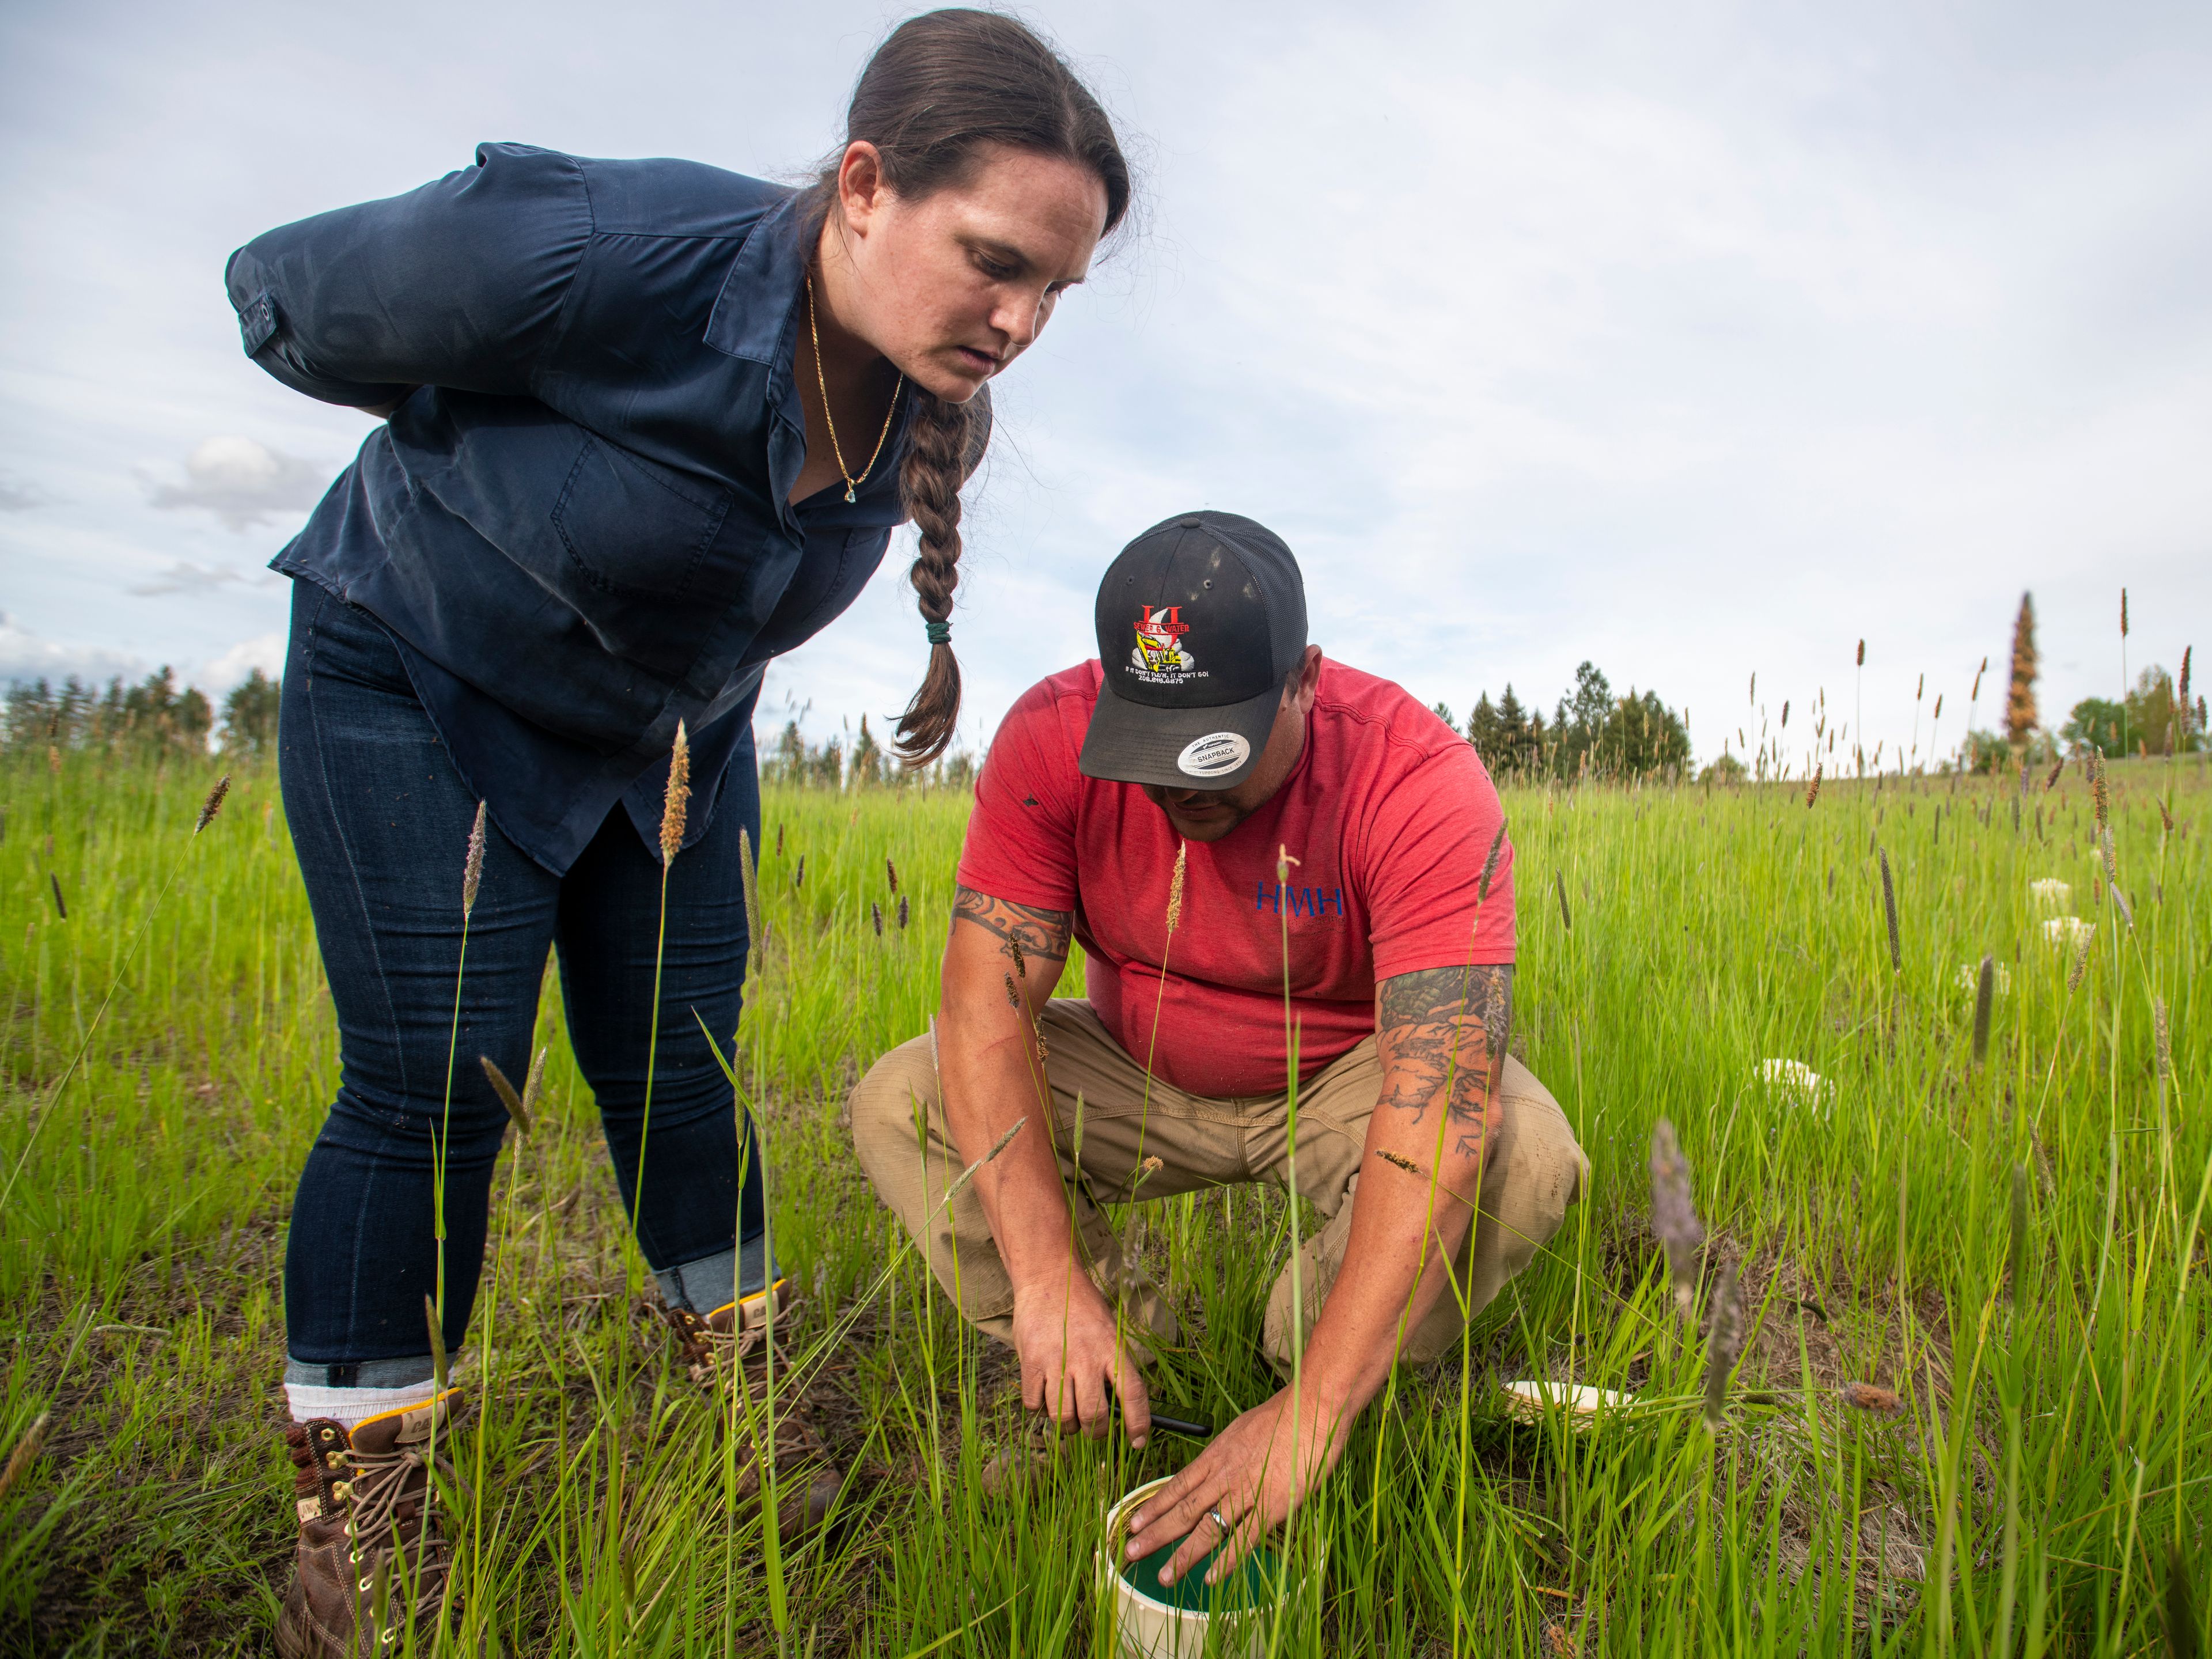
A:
[861,188]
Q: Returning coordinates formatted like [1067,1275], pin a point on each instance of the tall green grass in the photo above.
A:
[2016,1248]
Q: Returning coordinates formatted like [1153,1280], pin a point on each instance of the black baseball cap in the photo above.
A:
[1201,620]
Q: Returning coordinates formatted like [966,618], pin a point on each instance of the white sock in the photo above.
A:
[348,1408]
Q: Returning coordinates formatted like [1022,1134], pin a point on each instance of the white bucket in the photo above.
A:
[1146,1628]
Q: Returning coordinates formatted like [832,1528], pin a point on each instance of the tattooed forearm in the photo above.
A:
[1023,930]
[1442,1036]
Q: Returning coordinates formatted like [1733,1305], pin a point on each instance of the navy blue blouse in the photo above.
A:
[576,526]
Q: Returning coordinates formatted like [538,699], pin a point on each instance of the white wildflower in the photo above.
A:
[1969,978]
[2052,895]
[2066,931]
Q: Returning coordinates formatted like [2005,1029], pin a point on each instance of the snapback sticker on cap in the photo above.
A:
[1216,752]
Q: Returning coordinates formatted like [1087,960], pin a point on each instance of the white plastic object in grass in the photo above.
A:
[1146,1627]
[2065,930]
[1584,1405]
[2051,895]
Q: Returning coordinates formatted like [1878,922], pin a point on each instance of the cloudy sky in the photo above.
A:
[1698,341]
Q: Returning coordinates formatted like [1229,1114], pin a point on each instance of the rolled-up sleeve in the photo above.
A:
[459,283]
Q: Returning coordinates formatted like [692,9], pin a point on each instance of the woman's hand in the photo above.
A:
[1073,1362]
[1254,1474]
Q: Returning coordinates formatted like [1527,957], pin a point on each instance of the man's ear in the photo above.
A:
[1308,678]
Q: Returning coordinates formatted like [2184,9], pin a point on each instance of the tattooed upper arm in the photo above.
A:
[1442,1035]
[1023,930]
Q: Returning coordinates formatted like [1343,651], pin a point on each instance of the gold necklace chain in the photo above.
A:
[814,334]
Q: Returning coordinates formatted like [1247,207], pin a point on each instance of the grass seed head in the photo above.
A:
[798,874]
[2057,766]
[891,872]
[876,915]
[1985,988]
[1013,997]
[1723,1342]
[1862,661]
[1021,962]
[1813,789]
[1889,910]
[2164,1037]
[676,805]
[902,910]
[507,1098]
[1175,883]
[2083,936]
[1872,1397]
[1675,1214]
[472,865]
[213,804]
[749,877]
[1489,863]
[1566,917]
[25,1453]
[2098,792]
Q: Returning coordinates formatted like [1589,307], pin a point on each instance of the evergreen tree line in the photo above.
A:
[867,765]
[154,717]
[1591,733]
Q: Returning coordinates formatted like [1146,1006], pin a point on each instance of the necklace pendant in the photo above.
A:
[849,493]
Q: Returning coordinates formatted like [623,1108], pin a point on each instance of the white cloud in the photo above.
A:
[264,651]
[183,577]
[25,656]
[243,481]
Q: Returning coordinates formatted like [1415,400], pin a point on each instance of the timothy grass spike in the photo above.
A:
[1675,1214]
[213,804]
[515,1107]
[1985,985]
[1489,863]
[1889,910]
[1723,1342]
[26,1454]
[2081,957]
[1174,885]
[1813,789]
[472,865]
[676,805]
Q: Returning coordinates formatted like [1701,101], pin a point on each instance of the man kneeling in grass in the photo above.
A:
[1144,803]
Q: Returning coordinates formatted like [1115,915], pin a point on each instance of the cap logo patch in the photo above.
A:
[1159,657]
[1215,753]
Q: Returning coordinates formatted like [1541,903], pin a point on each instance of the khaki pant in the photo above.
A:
[899,1130]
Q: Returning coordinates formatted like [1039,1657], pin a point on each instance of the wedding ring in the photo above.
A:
[1214,1516]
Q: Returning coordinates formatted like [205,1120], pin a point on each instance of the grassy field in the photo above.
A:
[2016,1248]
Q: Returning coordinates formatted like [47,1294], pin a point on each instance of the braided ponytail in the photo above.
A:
[942,90]
[938,462]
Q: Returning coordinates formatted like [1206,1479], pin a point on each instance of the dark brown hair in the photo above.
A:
[943,87]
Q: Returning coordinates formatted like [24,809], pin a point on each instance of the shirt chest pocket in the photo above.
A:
[630,530]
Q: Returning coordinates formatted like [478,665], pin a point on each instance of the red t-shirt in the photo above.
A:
[1389,815]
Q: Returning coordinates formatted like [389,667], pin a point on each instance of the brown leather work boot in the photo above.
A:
[732,1342]
[365,1504]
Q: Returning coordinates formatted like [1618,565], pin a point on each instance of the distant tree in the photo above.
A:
[1579,722]
[2095,721]
[1642,736]
[2019,700]
[867,768]
[1442,712]
[1486,732]
[1727,770]
[2154,722]
[249,716]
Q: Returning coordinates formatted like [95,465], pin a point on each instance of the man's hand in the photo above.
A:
[1254,1472]
[1073,1364]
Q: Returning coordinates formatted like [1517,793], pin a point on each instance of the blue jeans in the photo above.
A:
[380,820]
